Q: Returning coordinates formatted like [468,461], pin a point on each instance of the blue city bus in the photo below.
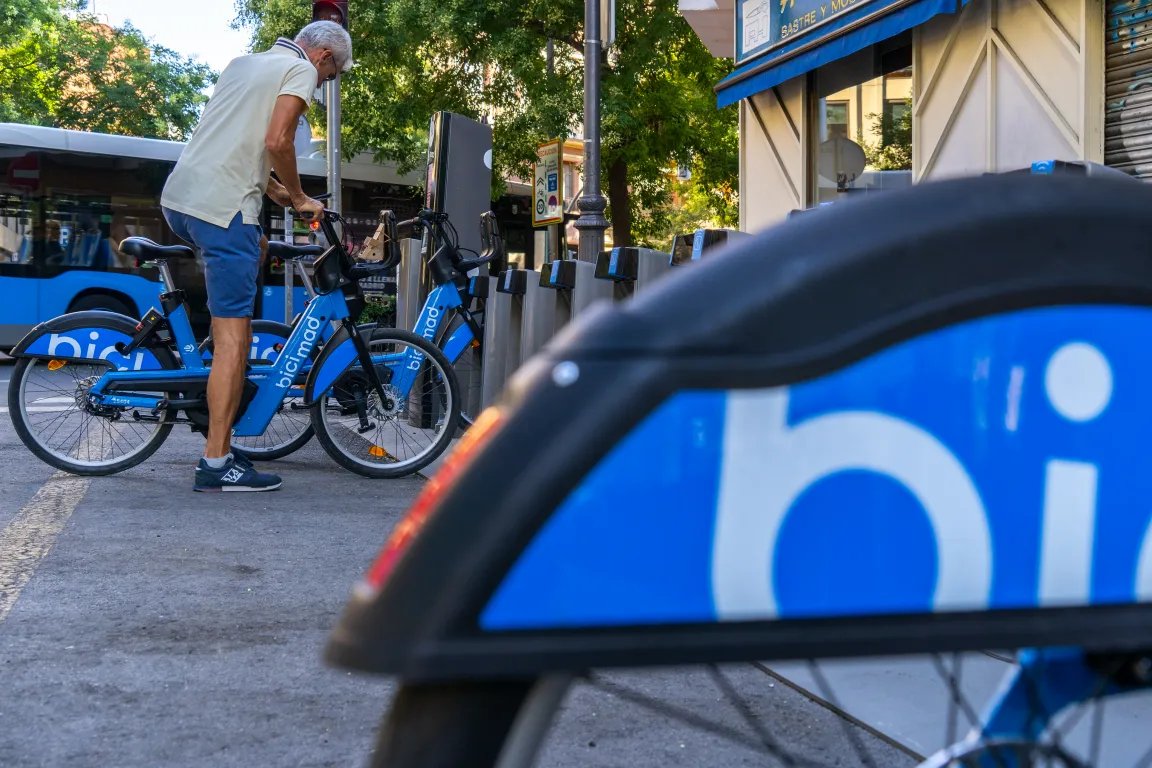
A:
[68,198]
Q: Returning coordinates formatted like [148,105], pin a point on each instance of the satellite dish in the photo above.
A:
[841,161]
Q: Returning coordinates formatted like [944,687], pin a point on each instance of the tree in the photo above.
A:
[892,150]
[17,15]
[487,58]
[70,71]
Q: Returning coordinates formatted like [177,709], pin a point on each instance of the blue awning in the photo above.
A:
[785,63]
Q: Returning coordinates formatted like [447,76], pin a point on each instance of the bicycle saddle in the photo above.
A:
[290,252]
[143,249]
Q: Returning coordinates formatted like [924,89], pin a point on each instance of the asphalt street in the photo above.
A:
[144,625]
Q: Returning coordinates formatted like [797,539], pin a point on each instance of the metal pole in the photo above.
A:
[288,237]
[592,204]
[332,100]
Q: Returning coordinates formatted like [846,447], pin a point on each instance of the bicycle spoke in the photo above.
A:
[1095,742]
[827,692]
[957,700]
[688,718]
[72,432]
[750,718]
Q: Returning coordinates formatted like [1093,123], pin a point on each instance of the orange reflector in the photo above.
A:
[314,225]
[378,452]
[55,365]
[475,343]
[425,504]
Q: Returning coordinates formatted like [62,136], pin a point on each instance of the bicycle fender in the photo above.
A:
[459,340]
[86,336]
[335,357]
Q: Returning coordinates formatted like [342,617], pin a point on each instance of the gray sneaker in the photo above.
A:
[233,476]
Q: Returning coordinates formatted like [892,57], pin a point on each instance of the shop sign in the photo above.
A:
[762,25]
[548,198]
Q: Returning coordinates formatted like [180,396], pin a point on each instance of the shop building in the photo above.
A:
[852,97]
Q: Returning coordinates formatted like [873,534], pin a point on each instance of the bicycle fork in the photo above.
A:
[364,355]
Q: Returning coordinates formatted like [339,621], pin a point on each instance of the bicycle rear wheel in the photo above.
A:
[407,429]
[48,403]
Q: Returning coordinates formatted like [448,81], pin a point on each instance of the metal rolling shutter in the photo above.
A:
[1128,75]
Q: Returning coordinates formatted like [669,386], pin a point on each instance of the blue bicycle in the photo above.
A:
[453,315]
[94,393]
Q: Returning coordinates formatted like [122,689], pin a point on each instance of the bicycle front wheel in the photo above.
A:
[1056,708]
[403,431]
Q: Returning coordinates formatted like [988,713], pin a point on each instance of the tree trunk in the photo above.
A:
[618,200]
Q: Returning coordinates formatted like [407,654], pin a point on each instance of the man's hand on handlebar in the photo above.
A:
[307,207]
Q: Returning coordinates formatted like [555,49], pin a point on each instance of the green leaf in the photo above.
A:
[71,71]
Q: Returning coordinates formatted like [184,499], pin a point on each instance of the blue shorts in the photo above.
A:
[231,260]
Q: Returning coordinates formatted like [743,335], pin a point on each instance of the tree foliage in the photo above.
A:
[487,58]
[892,148]
[60,67]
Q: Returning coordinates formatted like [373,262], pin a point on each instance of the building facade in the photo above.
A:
[851,97]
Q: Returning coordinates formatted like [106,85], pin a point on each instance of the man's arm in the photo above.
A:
[278,193]
[281,145]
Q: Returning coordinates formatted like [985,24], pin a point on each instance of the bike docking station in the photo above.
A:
[409,288]
[632,269]
[503,318]
[540,314]
[576,287]
[526,308]
[692,247]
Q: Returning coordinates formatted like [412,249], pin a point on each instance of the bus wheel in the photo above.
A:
[102,301]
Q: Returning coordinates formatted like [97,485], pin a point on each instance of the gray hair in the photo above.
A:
[330,35]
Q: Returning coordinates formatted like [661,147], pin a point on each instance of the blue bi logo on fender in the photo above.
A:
[1001,463]
[92,344]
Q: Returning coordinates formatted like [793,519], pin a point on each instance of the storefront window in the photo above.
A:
[863,134]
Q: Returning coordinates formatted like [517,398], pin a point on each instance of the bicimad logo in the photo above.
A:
[311,333]
[769,464]
[67,345]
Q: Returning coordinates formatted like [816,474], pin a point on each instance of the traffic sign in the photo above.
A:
[548,196]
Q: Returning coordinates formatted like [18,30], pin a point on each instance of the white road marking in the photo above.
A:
[31,534]
[46,409]
[58,405]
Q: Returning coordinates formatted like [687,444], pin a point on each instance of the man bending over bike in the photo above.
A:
[213,198]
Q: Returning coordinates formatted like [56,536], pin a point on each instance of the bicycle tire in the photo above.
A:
[449,725]
[20,415]
[436,368]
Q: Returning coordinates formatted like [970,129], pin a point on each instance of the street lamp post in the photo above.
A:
[332,146]
[592,204]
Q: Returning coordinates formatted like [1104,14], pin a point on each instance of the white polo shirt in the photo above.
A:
[225,167]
